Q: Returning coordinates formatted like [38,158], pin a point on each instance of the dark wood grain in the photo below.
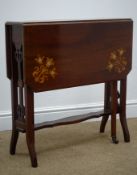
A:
[76,47]
[70,120]
[45,56]
[30,135]
[114,111]
[14,102]
[123,120]
[107,105]
[8,34]
[14,94]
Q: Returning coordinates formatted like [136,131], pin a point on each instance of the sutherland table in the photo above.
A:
[44,56]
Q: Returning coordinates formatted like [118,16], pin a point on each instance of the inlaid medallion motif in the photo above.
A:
[117,61]
[44,69]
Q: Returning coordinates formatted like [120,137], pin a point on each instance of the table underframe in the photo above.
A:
[23,114]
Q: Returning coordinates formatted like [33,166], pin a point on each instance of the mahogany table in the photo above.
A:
[44,56]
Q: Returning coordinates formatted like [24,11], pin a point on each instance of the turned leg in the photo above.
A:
[106,106]
[113,111]
[14,102]
[123,110]
[30,135]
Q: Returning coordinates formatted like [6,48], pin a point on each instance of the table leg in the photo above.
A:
[123,110]
[114,106]
[30,133]
[106,106]
[14,102]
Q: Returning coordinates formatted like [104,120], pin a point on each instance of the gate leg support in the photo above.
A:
[106,106]
[123,110]
[114,111]
[14,102]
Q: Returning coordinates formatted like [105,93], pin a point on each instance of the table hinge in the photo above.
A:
[18,55]
[20,83]
[21,112]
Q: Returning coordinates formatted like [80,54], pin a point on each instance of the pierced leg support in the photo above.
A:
[14,102]
[30,135]
[114,111]
[17,98]
[106,107]
[123,110]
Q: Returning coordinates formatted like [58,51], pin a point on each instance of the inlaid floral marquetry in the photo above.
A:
[44,69]
[117,61]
